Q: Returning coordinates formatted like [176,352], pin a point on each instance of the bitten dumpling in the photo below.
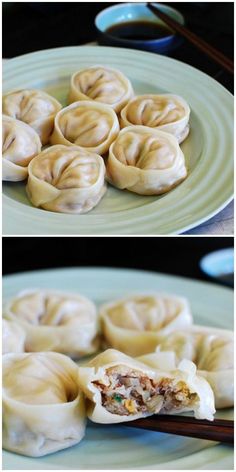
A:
[101,84]
[20,143]
[145,161]
[212,351]
[89,125]
[134,324]
[169,113]
[34,107]
[55,321]
[66,179]
[13,337]
[120,389]
[43,407]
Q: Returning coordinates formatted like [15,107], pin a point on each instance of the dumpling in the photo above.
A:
[169,113]
[120,388]
[13,337]
[134,324]
[89,125]
[159,360]
[66,179]
[212,351]
[34,107]
[20,143]
[101,84]
[145,161]
[43,407]
[55,321]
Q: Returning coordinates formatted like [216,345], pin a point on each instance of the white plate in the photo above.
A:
[117,447]
[208,149]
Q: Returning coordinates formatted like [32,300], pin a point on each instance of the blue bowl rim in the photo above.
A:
[135,41]
[205,261]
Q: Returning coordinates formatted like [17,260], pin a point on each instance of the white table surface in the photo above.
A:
[221,224]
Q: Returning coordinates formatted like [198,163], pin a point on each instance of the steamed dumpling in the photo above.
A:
[90,125]
[145,161]
[20,143]
[134,324]
[120,389]
[55,321]
[101,84]
[34,107]
[169,113]
[66,179]
[43,407]
[212,351]
[13,337]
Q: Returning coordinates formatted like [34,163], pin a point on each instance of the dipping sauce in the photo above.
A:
[139,30]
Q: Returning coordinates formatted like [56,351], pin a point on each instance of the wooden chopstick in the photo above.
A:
[216,55]
[217,430]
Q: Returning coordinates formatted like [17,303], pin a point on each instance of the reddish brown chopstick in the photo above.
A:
[217,430]
[216,55]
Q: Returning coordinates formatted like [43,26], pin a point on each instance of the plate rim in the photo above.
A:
[164,275]
[144,53]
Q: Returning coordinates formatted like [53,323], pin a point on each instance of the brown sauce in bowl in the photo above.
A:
[139,30]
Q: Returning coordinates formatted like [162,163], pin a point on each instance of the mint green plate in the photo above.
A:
[117,447]
[208,149]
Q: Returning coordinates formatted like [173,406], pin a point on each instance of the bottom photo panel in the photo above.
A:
[118,353]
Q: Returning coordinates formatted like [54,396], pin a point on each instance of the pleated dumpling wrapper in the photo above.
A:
[146,161]
[43,406]
[13,337]
[20,143]
[90,125]
[212,350]
[120,389]
[34,107]
[66,180]
[134,324]
[169,113]
[101,84]
[55,321]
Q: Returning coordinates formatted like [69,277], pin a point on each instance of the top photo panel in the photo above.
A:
[117,118]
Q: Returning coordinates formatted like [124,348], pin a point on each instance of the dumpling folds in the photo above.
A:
[34,107]
[55,321]
[145,161]
[134,324]
[120,389]
[13,337]
[43,407]
[66,180]
[169,113]
[212,351]
[87,124]
[20,143]
[101,84]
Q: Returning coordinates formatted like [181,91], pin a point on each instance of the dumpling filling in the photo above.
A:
[128,392]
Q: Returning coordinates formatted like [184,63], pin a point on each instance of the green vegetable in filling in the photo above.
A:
[117,398]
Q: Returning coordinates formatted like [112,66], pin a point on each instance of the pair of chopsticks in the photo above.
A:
[216,55]
[216,430]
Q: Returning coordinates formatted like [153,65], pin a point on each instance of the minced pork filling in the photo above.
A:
[128,392]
